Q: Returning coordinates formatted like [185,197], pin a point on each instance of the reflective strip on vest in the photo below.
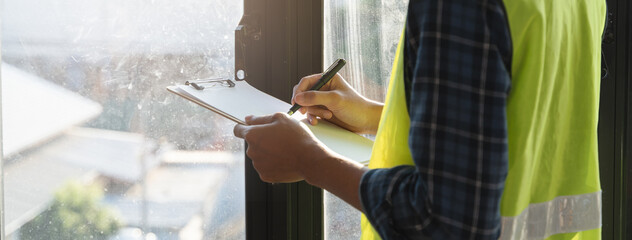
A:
[565,214]
[552,188]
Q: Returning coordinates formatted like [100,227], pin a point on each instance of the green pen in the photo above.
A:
[324,79]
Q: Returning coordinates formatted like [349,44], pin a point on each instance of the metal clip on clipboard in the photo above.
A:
[210,83]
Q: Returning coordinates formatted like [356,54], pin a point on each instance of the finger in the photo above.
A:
[307,82]
[252,153]
[303,85]
[319,111]
[310,118]
[313,120]
[313,98]
[258,120]
[293,94]
[240,130]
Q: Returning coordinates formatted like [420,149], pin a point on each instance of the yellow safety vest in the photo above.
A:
[552,189]
[391,142]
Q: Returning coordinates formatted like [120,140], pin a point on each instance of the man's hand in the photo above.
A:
[283,150]
[279,146]
[339,103]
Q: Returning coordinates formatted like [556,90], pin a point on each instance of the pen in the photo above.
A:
[324,79]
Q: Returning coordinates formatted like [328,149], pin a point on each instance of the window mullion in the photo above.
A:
[276,44]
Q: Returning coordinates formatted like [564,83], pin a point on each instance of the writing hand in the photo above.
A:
[337,102]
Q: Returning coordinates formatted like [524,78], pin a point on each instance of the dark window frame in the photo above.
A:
[615,121]
[277,43]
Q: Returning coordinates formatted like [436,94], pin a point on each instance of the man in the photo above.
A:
[454,74]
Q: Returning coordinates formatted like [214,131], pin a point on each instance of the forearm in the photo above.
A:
[337,175]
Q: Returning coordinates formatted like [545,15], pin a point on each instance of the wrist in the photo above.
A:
[336,174]
[373,114]
[311,168]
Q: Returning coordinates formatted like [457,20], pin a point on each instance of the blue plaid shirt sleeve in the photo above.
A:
[458,56]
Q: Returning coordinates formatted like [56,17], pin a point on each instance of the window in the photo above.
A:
[366,34]
[86,116]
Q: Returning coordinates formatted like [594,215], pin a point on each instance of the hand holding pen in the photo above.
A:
[324,79]
[337,102]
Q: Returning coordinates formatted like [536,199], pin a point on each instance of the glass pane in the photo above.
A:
[365,33]
[95,147]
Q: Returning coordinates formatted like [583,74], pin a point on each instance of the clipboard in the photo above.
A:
[237,99]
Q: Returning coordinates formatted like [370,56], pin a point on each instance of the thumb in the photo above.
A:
[240,130]
[259,120]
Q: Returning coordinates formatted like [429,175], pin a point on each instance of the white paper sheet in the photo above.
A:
[237,102]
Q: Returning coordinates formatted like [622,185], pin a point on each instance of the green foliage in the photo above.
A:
[74,214]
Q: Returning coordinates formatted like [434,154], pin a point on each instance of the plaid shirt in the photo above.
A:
[458,59]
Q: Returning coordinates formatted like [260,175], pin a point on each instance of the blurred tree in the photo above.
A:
[74,214]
